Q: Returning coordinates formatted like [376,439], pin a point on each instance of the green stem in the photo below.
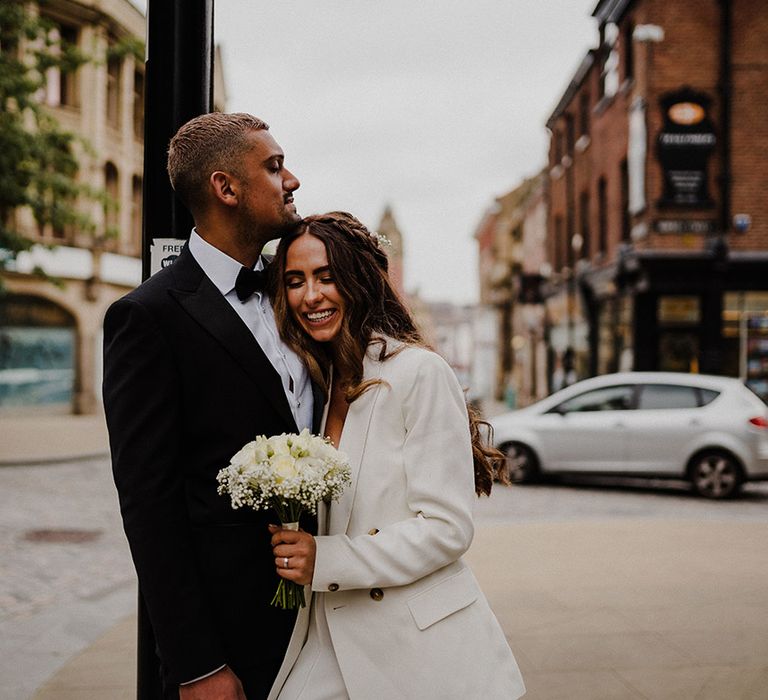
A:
[288,596]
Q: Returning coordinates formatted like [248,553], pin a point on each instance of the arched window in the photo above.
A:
[37,354]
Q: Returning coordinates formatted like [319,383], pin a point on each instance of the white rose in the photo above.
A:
[279,444]
[284,467]
[246,456]
[313,464]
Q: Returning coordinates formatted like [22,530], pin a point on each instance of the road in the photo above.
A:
[66,575]
[587,498]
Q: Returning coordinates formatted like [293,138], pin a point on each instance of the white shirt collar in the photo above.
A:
[217,265]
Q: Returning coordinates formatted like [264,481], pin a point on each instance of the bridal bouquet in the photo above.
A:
[290,473]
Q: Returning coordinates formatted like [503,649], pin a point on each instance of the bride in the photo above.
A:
[395,612]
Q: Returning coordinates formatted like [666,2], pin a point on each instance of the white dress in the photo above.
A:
[316,674]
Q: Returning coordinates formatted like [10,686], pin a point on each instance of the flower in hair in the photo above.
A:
[381,239]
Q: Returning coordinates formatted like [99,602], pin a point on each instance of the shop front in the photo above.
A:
[677,313]
[38,341]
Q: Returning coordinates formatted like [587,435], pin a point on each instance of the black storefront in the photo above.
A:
[686,312]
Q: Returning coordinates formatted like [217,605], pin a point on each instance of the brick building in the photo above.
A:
[657,229]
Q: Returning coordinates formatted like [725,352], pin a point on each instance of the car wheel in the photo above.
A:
[715,474]
[521,462]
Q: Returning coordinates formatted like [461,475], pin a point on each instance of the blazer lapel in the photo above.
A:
[353,439]
[200,298]
[318,409]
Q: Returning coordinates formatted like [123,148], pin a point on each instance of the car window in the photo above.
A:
[667,396]
[708,396]
[609,398]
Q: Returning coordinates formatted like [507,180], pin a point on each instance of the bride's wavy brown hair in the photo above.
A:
[373,311]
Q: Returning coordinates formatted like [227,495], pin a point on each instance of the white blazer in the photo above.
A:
[405,613]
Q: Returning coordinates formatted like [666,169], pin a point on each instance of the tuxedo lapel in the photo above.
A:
[200,298]
[353,440]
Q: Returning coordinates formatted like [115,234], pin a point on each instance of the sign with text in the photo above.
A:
[163,252]
[685,226]
[684,145]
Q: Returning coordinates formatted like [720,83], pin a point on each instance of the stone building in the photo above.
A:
[388,227]
[513,264]
[658,230]
[50,334]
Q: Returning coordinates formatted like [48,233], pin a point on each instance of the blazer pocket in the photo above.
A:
[443,599]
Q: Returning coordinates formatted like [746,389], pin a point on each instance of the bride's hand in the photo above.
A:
[294,553]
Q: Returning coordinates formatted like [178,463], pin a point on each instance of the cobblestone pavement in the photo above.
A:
[66,575]
[65,570]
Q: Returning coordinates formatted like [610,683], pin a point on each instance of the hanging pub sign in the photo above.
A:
[686,141]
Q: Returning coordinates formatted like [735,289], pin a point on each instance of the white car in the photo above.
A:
[710,430]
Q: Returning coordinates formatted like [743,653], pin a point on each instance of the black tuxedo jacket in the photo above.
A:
[185,386]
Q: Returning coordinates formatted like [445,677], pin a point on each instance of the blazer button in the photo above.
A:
[373,531]
[333,587]
[377,594]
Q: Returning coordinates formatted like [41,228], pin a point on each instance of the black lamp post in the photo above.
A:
[179,86]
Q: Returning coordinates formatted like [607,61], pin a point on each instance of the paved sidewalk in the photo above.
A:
[36,439]
[661,609]
[594,611]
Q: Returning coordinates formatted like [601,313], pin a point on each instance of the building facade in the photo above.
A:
[50,332]
[658,233]
[511,239]
[391,231]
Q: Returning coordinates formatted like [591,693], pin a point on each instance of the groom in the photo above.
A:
[193,369]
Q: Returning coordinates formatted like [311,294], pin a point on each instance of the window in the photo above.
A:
[584,225]
[629,51]
[38,350]
[113,199]
[558,146]
[114,65]
[570,134]
[558,243]
[609,398]
[138,105]
[60,86]
[584,113]
[602,223]
[625,221]
[660,396]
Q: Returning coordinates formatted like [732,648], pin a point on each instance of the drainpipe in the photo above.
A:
[713,298]
[726,88]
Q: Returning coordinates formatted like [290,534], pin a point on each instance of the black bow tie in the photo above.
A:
[250,281]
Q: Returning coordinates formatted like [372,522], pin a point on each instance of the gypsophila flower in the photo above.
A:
[381,239]
[290,473]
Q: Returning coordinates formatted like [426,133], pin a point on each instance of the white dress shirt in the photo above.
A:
[256,312]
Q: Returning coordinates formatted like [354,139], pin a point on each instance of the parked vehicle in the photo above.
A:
[709,430]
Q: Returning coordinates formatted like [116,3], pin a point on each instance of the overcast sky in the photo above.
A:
[433,107]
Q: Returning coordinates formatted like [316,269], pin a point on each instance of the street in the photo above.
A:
[581,498]
[67,576]
[65,569]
